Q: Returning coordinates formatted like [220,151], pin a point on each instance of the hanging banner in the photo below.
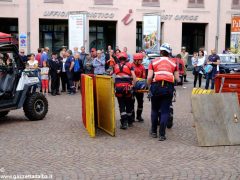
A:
[151,33]
[235,34]
[76,25]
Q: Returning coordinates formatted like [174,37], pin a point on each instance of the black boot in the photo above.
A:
[139,116]
[170,119]
[185,78]
[130,121]
[162,129]
[124,123]
[133,116]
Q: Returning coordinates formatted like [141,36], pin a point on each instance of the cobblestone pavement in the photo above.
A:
[60,146]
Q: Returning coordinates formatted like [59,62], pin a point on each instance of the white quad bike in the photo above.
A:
[17,86]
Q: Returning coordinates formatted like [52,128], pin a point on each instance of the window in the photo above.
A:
[151,3]
[102,34]
[139,37]
[53,34]
[103,2]
[236,4]
[196,3]
[54,1]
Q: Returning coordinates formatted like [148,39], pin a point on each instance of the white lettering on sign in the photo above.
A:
[236,23]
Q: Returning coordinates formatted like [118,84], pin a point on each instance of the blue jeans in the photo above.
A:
[211,76]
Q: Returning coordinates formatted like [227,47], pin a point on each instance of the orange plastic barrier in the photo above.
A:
[231,83]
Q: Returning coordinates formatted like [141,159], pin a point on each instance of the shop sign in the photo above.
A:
[95,15]
[100,15]
[56,13]
[126,20]
[235,34]
[179,17]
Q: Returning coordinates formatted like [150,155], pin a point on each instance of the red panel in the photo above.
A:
[83,100]
[231,83]
[95,97]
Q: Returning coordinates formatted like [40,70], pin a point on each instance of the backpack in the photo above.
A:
[76,66]
[123,88]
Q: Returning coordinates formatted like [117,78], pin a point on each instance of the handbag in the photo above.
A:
[208,68]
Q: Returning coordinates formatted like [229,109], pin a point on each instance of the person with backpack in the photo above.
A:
[162,73]
[77,70]
[125,78]
[140,73]
[180,65]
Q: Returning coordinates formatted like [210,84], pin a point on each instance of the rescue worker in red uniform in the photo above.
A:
[124,80]
[162,73]
[180,64]
[140,74]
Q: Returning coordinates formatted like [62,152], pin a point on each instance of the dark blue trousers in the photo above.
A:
[160,103]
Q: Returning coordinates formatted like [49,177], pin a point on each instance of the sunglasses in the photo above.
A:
[22,52]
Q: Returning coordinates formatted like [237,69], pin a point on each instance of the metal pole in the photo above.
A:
[28,27]
[218,24]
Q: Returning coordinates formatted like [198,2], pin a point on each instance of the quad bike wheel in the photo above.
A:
[35,107]
[3,114]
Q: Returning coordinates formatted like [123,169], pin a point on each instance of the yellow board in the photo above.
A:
[90,123]
[105,104]
[202,91]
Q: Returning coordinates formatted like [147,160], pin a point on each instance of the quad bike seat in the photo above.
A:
[6,83]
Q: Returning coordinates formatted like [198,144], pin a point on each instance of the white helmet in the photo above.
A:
[166,47]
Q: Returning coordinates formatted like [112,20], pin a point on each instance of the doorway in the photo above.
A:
[193,36]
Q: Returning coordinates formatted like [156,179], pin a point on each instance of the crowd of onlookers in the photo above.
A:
[65,67]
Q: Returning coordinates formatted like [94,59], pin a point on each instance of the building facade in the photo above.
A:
[190,23]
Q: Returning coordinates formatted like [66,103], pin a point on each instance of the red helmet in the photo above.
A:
[122,55]
[138,56]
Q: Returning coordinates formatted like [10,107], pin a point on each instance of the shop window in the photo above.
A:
[196,3]
[54,1]
[151,3]
[103,2]
[236,4]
